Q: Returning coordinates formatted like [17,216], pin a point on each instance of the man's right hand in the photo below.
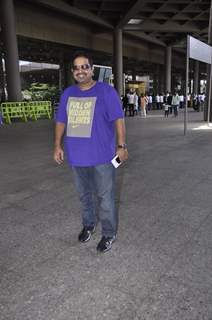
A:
[58,155]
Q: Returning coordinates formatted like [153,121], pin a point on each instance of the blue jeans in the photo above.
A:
[97,182]
[176,110]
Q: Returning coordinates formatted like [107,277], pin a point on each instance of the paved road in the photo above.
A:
[160,266]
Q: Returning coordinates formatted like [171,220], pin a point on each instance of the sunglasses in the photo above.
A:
[85,66]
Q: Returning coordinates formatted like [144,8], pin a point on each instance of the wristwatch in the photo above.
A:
[122,146]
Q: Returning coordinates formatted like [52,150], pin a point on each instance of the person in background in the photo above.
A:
[157,100]
[130,96]
[149,106]
[161,101]
[136,103]
[201,100]
[166,110]
[175,103]
[181,100]
[169,101]
[189,100]
[125,104]
[144,102]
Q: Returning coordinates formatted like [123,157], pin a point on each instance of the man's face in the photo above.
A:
[82,70]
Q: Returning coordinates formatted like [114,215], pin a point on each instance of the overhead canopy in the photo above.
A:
[164,22]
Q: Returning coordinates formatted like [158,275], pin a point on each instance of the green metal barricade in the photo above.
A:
[26,110]
[13,110]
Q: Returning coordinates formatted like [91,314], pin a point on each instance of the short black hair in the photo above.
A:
[84,54]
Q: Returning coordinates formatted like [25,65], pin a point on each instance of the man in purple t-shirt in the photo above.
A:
[90,117]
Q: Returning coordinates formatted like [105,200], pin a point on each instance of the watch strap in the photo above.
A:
[122,146]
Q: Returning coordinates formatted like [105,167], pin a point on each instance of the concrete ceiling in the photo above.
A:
[163,22]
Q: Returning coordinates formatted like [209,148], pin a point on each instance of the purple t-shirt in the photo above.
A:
[90,117]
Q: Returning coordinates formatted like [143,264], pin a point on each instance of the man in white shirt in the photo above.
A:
[175,103]
[181,100]
[149,102]
[131,97]
[157,99]
[161,100]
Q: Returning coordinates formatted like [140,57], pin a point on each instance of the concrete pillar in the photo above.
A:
[60,82]
[191,84]
[62,76]
[168,65]
[156,80]
[183,89]
[11,50]
[65,75]
[196,77]
[161,77]
[68,74]
[2,83]
[209,76]
[118,60]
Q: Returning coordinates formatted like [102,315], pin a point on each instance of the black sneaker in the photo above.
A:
[86,233]
[105,244]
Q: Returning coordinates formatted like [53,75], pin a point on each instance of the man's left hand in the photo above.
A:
[122,153]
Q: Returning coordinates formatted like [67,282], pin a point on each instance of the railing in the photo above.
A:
[25,110]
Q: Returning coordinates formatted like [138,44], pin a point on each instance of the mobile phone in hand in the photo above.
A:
[116,162]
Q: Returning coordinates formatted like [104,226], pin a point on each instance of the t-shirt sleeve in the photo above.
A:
[61,115]
[114,105]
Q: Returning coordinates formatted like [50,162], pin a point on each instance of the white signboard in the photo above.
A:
[199,50]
